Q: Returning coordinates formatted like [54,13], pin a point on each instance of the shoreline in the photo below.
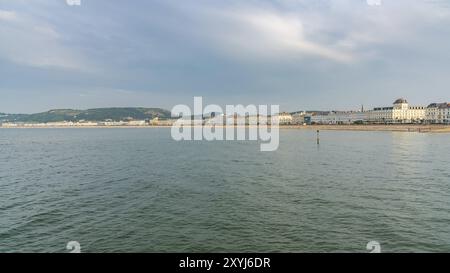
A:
[410,128]
[435,128]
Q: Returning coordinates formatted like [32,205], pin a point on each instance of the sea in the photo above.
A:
[138,190]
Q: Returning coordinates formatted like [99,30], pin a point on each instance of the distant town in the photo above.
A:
[400,112]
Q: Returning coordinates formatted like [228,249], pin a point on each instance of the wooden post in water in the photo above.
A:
[318,137]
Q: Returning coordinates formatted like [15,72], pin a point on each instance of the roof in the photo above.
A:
[401,100]
[439,105]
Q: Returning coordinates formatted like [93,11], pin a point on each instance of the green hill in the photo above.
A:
[97,114]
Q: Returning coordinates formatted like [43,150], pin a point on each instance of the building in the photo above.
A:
[9,124]
[339,117]
[136,123]
[400,112]
[438,113]
[307,119]
[298,118]
[166,122]
[285,119]
[112,123]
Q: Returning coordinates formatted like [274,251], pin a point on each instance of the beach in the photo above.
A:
[435,128]
[389,128]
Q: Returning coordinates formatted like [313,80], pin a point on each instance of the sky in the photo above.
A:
[301,55]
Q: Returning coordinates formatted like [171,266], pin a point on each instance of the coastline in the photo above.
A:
[435,128]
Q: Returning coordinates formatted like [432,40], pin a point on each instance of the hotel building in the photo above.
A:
[400,112]
[438,113]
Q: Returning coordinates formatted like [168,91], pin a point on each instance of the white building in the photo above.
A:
[337,117]
[112,123]
[400,112]
[298,118]
[438,113]
[86,123]
[9,124]
[285,119]
[136,123]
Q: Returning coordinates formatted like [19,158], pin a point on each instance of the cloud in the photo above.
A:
[272,33]
[6,15]
[346,31]
[31,42]
[289,51]
[257,32]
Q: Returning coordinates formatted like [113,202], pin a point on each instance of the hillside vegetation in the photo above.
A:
[97,114]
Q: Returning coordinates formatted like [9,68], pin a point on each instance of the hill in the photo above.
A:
[96,114]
